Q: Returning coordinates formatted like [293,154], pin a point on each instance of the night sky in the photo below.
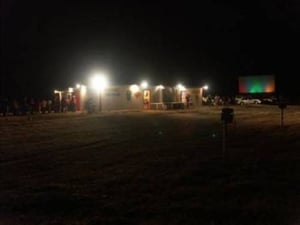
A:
[47,45]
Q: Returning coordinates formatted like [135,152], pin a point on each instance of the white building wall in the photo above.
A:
[121,98]
[124,98]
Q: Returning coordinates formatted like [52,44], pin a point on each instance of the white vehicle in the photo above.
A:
[247,100]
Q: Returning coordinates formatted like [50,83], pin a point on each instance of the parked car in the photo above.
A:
[247,100]
[270,100]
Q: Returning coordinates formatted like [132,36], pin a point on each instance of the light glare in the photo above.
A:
[160,87]
[205,87]
[144,84]
[99,82]
[83,89]
[181,87]
[134,88]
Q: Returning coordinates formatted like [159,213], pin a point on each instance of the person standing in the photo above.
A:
[44,106]
[32,104]
[187,98]
[49,105]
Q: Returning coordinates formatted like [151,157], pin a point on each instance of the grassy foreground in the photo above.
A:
[151,168]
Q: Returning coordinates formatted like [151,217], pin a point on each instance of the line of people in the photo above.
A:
[18,107]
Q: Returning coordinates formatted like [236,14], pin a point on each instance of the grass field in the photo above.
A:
[151,168]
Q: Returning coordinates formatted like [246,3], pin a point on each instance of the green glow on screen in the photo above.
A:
[257,84]
[256,88]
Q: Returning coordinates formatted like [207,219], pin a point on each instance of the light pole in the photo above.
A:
[99,83]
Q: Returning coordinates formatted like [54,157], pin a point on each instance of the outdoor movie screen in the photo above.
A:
[257,84]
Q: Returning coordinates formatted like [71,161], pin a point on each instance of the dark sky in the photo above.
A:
[54,44]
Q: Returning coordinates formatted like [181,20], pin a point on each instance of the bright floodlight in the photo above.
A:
[99,82]
[205,87]
[181,87]
[144,84]
[71,89]
[78,86]
[134,88]
[160,87]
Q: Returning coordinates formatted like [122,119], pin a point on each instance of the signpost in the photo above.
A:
[282,106]
[227,115]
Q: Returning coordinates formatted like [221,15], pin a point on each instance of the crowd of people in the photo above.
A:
[218,100]
[25,106]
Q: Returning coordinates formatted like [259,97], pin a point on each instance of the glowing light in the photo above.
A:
[71,89]
[78,86]
[144,84]
[56,92]
[180,87]
[134,88]
[257,84]
[205,87]
[99,82]
[83,89]
[159,87]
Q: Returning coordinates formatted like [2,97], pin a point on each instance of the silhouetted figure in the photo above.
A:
[187,98]
[90,106]
[44,106]
[15,107]
[32,104]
